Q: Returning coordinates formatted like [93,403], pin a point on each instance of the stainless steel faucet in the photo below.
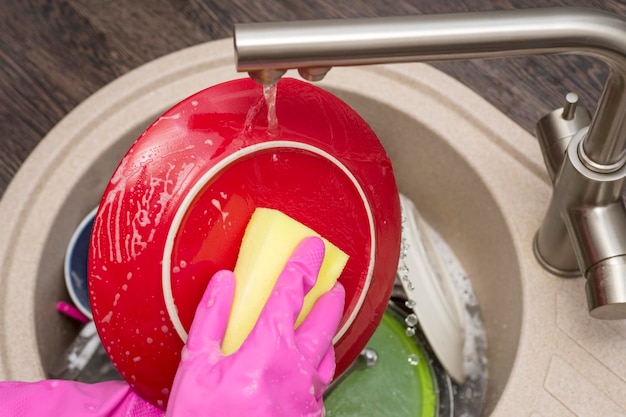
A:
[584,230]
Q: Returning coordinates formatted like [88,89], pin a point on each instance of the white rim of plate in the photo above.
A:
[199,185]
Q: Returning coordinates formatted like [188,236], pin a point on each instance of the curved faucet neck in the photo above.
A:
[321,44]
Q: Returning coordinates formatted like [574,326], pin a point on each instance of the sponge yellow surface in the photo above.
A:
[268,242]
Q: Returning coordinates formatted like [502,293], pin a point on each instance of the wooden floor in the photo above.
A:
[55,53]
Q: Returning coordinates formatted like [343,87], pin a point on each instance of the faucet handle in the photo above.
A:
[555,130]
[569,109]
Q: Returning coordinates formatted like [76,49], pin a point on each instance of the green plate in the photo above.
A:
[401,384]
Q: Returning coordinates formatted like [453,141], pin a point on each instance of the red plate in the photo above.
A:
[176,208]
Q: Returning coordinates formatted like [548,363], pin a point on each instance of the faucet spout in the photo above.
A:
[495,34]
[591,175]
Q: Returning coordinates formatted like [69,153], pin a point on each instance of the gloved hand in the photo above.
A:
[68,398]
[276,372]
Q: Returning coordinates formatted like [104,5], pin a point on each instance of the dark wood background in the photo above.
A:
[54,54]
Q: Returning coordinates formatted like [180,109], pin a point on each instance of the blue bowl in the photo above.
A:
[76,264]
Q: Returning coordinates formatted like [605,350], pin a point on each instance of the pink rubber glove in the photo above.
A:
[72,399]
[277,371]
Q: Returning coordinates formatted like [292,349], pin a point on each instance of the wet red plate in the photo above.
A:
[176,208]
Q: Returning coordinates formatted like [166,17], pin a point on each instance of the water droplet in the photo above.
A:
[409,303]
[107,318]
[411,320]
[413,359]
[410,331]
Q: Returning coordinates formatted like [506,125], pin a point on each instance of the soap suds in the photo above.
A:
[216,203]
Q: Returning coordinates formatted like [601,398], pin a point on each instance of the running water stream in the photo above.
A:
[269,92]
[268,101]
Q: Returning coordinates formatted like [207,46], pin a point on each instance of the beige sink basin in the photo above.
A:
[475,176]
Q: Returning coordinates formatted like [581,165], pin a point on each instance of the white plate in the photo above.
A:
[427,283]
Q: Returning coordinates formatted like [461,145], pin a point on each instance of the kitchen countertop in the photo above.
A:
[56,53]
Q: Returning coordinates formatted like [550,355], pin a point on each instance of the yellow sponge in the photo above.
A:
[268,242]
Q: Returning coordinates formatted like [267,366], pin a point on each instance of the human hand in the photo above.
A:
[62,398]
[278,371]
